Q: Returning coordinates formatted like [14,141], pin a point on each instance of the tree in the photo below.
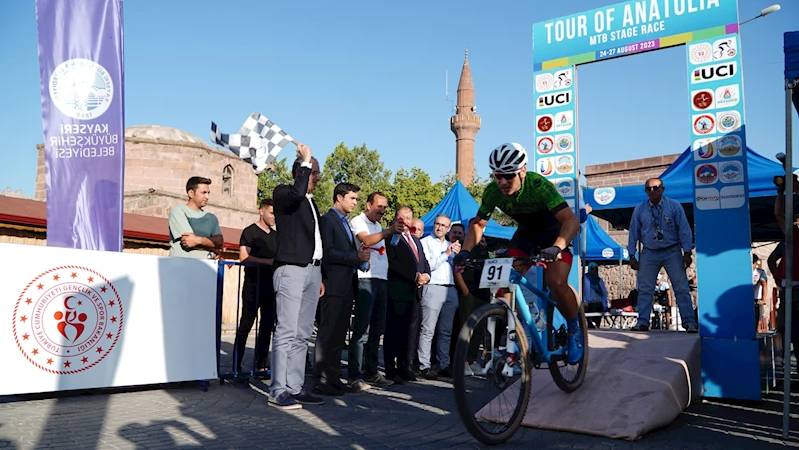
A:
[359,166]
[476,188]
[415,189]
[270,178]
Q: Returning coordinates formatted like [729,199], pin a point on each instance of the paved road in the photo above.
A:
[417,415]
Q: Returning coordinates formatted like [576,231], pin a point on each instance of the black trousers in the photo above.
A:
[334,321]
[249,311]
[396,352]
[414,329]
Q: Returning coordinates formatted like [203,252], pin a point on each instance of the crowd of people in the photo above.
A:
[340,272]
[343,273]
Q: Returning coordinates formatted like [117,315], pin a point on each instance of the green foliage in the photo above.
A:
[269,179]
[476,188]
[415,189]
[359,166]
[363,167]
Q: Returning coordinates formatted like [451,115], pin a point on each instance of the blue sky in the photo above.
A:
[374,72]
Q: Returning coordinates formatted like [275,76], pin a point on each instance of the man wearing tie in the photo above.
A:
[297,280]
[408,270]
[338,274]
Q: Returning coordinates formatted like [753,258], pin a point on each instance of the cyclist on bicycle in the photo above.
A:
[547,226]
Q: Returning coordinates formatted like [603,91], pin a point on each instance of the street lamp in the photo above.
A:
[763,12]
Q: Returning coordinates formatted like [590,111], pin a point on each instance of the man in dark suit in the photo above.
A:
[408,270]
[297,280]
[338,275]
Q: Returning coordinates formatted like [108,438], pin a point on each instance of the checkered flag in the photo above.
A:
[258,142]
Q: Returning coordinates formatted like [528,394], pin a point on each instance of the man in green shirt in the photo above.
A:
[193,232]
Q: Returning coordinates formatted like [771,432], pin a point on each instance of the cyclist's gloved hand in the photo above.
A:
[462,258]
[550,254]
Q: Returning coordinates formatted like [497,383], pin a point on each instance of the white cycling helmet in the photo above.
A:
[507,158]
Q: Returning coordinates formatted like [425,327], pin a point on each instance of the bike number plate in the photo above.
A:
[496,273]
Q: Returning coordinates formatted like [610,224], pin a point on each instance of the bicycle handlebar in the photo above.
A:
[478,262]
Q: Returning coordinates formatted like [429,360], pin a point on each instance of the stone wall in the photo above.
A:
[626,173]
[158,204]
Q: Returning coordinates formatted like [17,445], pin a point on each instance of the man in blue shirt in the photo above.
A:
[663,230]
[341,259]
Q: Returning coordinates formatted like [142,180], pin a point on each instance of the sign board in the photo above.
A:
[80,319]
[627,28]
[716,112]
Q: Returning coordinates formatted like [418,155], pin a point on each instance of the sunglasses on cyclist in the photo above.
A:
[653,188]
[505,176]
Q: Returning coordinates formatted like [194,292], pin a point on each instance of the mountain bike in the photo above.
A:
[494,359]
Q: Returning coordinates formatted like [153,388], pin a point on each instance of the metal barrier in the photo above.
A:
[230,372]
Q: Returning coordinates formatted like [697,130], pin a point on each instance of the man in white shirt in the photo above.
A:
[439,299]
[369,322]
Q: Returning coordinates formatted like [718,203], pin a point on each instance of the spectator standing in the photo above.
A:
[257,246]
[194,232]
[470,295]
[338,275]
[369,321]
[439,299]
[408,270]
[418,228]
[297,280]
[457,233]
[659,223]
[595,294]
[760,283]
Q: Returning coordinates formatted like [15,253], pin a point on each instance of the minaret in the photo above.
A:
[465,124]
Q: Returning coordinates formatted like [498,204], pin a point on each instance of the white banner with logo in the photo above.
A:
[78,319]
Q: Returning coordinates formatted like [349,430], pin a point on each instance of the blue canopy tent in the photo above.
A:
[461,207]
[616,204]
[601,248]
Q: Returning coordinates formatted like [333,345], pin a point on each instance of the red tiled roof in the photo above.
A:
[23,211]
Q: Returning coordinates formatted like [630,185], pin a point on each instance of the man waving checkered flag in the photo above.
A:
[258,142]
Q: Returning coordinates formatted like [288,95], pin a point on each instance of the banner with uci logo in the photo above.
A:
[81,69]
[555,155]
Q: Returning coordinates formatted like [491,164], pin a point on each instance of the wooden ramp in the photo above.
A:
[636,382]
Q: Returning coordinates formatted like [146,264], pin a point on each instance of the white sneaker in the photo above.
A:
[467,371]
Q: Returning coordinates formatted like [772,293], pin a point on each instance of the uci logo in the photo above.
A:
[714,72]
[553,100]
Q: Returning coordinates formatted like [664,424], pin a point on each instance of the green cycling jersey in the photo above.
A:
[534,206]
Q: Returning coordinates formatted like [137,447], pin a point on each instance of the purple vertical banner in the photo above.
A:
[81,69]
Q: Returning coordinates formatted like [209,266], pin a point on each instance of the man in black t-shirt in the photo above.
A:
[257,248]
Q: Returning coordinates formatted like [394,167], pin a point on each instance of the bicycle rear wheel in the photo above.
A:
[568,377]
[493,400]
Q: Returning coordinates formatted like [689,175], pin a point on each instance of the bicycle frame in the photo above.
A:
[540,345]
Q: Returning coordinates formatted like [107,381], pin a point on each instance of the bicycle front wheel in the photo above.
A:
[492,393]
[568,377]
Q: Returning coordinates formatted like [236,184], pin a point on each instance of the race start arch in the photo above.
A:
[715,125]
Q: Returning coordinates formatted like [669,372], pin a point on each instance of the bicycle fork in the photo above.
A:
[510,345]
